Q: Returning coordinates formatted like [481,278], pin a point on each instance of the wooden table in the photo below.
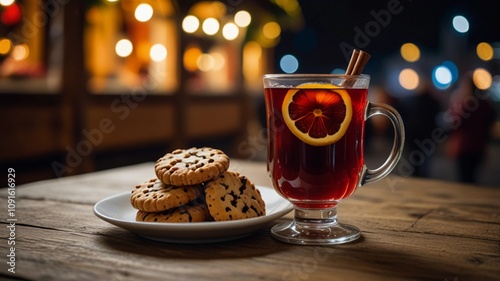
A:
[413,229]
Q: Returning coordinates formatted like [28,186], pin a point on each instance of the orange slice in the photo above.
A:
[317,114]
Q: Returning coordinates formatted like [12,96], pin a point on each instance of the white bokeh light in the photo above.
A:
[230,31]
[124,48]
[6,2]
[460,24]
[143,12]
[158,52]
[210,26]
[242,18]
[442,77]
[190,24]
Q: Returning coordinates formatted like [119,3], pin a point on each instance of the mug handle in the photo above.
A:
[388,111]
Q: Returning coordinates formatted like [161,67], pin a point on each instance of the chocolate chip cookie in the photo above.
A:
[191,166]
[232,197]
[155,196]
[184,213]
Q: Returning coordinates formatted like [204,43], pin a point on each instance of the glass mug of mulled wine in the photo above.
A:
[315,126]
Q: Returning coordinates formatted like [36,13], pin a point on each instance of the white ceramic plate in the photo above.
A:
[117,210]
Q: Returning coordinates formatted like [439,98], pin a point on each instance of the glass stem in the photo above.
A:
[319,217]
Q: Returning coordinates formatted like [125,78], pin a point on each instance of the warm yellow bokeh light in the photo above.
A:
[190,24]
[484,51]
[219,61]
[142,49]
[409,79]
[290,6]
[5,46]
[123,48]
[242,18]
[410,52]
[143,12]
[20,52]
[230,31]
[190,59]
[210,26]
[271,30]
[158,52]
[252,59]
[482,78]
[208,9]
[205,62]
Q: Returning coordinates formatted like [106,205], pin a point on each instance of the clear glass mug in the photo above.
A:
[315,158]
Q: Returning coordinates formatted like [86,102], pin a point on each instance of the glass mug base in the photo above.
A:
[315,227]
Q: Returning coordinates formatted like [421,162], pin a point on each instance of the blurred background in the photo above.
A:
[96,84]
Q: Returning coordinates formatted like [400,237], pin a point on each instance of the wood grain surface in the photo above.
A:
[412,229]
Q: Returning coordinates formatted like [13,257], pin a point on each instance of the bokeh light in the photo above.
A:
[158,52]
[242,18]
[190,24]
[210,26]
[6,2]
[289,64]
[5,46]
[271,30]
[219,61]
[230,31]
[409,79]
[252,61]
[338,71]
[11,15]
[460,24]
[205,62]
[410,52]
[495,88]
[441,77]
[453,69]
[124,48]
[482,78]
[191,58]
[143,12]
[20,52]
[484,51]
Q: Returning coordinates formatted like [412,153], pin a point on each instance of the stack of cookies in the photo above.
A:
[194,185]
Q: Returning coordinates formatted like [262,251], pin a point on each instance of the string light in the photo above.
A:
[124,48]
[190,24]
[242,18]
[6,3]
[143,12]
[158,52]
[210,26]
[230,31]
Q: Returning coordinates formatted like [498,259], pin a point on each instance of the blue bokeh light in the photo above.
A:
[441,77]
[289,64]
[338,71]
[453,69]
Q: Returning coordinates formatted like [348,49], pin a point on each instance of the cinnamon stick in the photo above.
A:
[352,62]
[358,61]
